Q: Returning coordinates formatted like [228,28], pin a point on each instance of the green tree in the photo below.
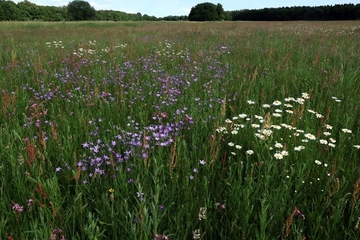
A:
[220,11]
[134,17]
[31,10]
[146,17]
[9,11]
[81,10]
[207,12]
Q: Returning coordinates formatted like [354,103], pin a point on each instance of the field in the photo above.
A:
[160,130]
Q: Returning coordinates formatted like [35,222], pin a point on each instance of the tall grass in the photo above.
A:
[235,130]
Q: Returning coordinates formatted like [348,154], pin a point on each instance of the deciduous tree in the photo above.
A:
[81,10]
[207,12]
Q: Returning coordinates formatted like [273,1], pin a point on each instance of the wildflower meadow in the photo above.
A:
[180,130]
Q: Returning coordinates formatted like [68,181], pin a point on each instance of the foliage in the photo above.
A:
[175,18]
[27,11]
[76,10]
[10,11]
[135,16]
[207,12]
[336,12]
[81,10]
[108,15]
[146,17]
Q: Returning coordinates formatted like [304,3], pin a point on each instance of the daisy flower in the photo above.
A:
[345,130]
[278,155]
[317,162]
[276,103]
[249,152]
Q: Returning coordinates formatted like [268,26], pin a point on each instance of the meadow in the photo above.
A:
[180,130]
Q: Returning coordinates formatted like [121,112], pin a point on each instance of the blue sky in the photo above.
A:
[161,8]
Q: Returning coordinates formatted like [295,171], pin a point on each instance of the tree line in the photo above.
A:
[78,10]
[320,13]
[75,11]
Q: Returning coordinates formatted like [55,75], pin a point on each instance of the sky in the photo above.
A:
[162,8]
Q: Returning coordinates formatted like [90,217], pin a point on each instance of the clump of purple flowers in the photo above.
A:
[57,234]
[160,237]
[18,208]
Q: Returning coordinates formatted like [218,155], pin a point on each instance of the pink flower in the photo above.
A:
[29,202]
[18,208]
[161,237]
[57,233]
[297,212]
[163,114]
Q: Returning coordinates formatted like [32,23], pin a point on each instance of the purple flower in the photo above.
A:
[29,202]
[57,233]
[160,237]
[58,169]
[95,149]
[202,162]
[191,177]
[297,213]
[18,208]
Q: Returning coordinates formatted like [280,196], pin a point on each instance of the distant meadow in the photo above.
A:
[180,130]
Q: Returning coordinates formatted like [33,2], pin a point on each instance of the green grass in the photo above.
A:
[231,130]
